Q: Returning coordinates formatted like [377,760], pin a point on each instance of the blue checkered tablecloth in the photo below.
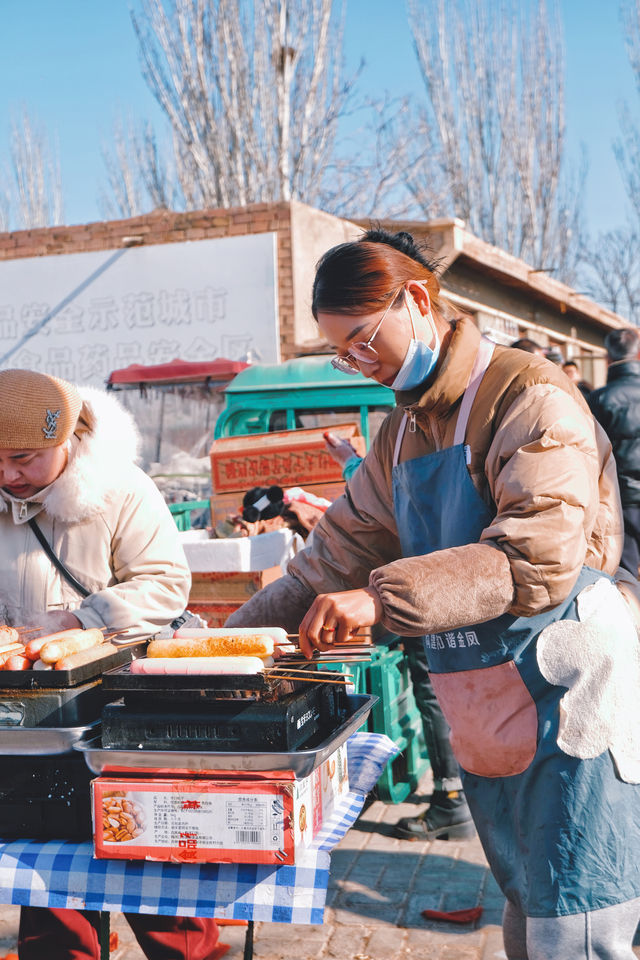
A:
[61,874]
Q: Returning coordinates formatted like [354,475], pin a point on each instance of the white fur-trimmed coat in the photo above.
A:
[108,523]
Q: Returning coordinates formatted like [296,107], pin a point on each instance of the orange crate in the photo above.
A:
[229,585]
[215,613]
[288,458]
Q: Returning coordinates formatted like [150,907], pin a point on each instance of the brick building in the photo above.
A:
[508,298]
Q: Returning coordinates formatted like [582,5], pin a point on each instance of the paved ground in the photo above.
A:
[378,887]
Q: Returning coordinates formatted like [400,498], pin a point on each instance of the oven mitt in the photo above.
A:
[598,659]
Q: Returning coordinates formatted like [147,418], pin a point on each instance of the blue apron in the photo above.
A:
[562,835]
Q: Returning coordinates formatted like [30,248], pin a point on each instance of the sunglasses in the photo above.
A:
[362,353]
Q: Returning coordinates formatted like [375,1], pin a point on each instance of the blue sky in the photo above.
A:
[74,64]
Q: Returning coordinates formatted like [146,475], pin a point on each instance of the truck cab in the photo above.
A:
[301,394]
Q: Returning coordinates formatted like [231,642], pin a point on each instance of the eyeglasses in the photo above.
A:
[361,352]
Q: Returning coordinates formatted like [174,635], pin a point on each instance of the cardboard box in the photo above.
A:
[215,613]
[222,818]
[288,458]
[230,585]
[241,553]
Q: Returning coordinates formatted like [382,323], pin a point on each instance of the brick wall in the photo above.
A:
[164,226]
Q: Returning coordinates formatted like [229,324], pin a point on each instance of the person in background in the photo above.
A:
[67,463]
[616,406]
[448,816]
[570,369]
[529,346]
[486,518]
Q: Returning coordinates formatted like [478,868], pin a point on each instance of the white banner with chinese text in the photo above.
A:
[98,312]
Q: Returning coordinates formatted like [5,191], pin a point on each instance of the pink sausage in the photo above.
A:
[197,666]
[32,649]
[17,662]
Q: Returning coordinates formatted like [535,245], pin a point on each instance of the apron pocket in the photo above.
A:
[493,719]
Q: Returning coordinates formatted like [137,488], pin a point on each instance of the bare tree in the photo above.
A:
[611,263]
[613,271]
[491,142]
[141,172]
[35,183]
[253,93]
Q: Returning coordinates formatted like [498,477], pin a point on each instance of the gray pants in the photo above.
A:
[599,935]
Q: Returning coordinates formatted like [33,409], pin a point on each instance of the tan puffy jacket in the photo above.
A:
[108,523]
[537,455]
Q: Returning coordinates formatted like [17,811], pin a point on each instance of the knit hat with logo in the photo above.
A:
[36,410]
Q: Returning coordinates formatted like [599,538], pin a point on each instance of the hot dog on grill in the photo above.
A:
[16,661]
[226,645]
[277,633]
[8,634]
[98,652]
[63,644]
[33,647]
[10,651]
[197,666]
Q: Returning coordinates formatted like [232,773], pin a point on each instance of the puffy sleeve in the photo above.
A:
[150,576]
[357,532]
[543,469]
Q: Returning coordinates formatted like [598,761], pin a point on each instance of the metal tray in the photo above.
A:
[43,741]
[302,762]
[52,679]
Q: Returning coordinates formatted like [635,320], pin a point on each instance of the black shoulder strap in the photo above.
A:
[56,561]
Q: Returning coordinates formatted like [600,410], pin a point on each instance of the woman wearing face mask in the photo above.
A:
[486,517]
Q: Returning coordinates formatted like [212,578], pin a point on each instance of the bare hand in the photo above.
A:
[334,617]
[341,450]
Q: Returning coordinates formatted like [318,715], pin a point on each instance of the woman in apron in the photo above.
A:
[486,517]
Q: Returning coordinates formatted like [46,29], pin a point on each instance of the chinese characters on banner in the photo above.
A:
[192,301]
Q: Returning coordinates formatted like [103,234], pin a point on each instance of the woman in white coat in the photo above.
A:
[67,464]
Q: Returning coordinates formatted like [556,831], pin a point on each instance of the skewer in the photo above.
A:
[306,679]
[339,673]
[328,655]
[285,661]
[295,636]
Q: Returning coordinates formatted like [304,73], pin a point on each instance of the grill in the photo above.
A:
[44,783]
[243,712]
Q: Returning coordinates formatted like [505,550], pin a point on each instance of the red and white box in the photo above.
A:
[220,818]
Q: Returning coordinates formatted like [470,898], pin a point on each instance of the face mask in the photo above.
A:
[419,361]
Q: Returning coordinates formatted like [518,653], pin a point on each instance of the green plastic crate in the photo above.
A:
[387,677]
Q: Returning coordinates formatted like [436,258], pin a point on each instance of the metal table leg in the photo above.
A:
[103,934]
[248,942]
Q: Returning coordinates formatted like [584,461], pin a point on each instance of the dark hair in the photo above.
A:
[569,363]
[622,344]
[262,503]
[529,345]
[363,275]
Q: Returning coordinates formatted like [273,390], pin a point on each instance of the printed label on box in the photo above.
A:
[265,819]
[212,820]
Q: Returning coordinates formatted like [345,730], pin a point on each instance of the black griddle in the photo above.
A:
[284,724]
[227,712]
[56,679]
[121,682]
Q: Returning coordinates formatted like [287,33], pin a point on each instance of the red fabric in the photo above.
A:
[73,935]
[454,916]
[178,371]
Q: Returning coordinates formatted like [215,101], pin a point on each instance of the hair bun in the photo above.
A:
[404,242]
